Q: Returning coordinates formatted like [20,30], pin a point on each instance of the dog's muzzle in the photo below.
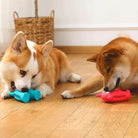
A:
[116,86]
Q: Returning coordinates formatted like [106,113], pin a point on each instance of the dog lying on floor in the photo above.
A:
[27,65]
[117,63]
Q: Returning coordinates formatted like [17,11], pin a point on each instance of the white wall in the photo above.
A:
[91,22]
[6,18]
[91,12]
[77,22]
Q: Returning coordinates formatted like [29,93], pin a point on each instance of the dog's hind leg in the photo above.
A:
[92,86]
[66,74]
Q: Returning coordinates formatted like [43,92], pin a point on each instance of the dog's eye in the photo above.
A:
[108,70]
[22,72]
[34,76]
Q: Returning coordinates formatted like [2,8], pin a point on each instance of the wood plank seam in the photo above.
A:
[97,121]
[130,123]
[68,116]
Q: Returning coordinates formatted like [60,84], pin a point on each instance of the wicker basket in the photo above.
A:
[37,29]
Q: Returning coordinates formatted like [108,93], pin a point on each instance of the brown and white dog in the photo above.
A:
[117,63]
[27,65]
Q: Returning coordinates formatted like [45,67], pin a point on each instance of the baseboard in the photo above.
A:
[87,36]
[80,49]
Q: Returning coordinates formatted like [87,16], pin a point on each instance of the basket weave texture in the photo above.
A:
[37,29]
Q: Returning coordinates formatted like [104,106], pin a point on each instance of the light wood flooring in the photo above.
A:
[54,117]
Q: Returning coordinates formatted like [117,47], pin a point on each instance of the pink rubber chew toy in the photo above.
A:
[115,96]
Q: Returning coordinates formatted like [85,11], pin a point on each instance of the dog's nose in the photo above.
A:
[25,89]
[106,89]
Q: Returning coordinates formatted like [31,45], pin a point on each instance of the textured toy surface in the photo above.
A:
[115,96]
[26,96]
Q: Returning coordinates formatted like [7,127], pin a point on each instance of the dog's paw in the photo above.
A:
[75,78]
[44,90]
[5,95]
[66,95]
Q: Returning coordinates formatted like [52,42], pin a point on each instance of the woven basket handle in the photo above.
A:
[52,13]
[15,15]
[36,8]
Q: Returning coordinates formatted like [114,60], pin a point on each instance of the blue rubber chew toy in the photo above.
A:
[26,96]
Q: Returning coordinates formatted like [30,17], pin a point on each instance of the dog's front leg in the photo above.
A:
[92,86]
[45,89]
[7,89]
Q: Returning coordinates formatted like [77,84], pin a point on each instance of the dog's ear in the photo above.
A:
[112,53]
[18,43]
[46,48]
[92,58]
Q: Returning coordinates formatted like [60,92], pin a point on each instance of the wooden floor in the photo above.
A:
[54,117]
